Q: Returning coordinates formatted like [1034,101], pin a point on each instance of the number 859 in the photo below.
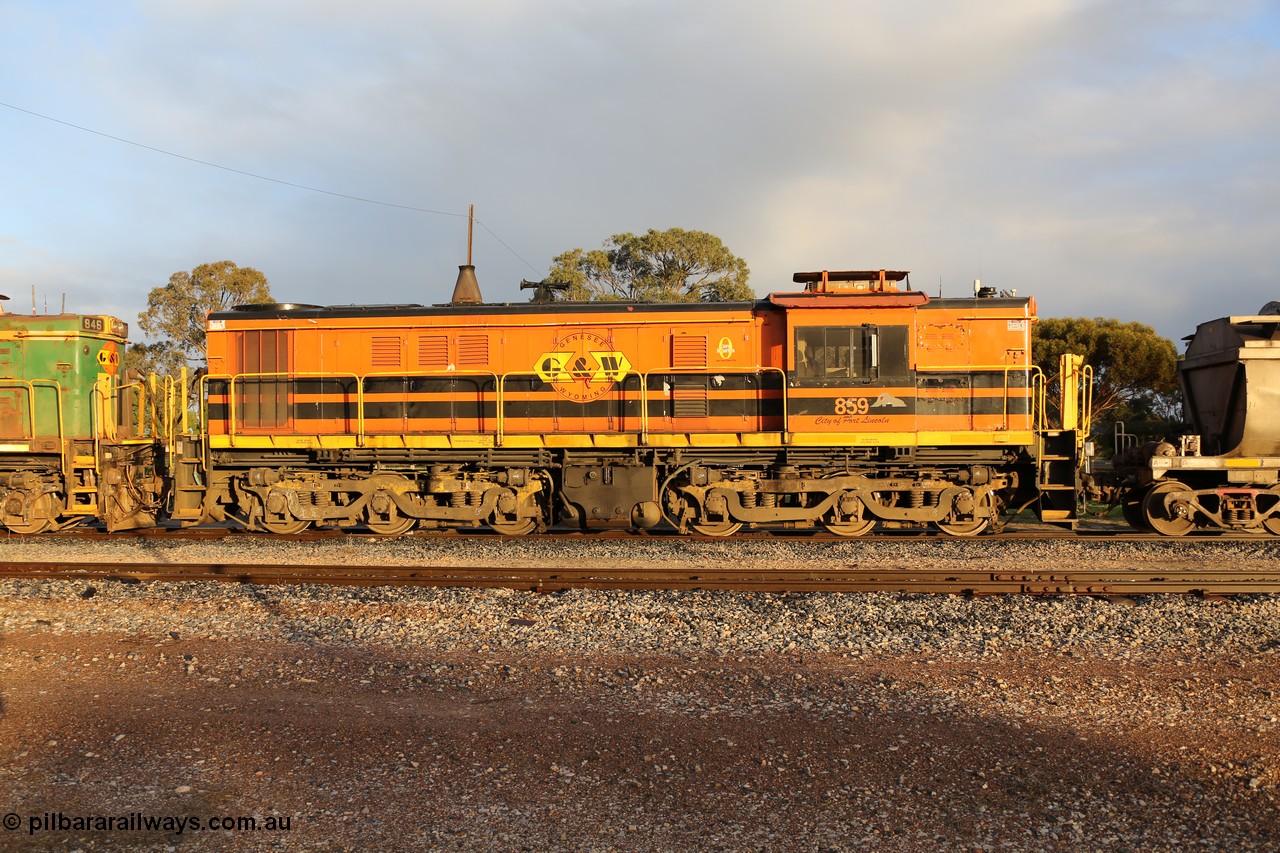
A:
[851,405]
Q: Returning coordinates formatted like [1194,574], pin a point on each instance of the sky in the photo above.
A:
[1117,159]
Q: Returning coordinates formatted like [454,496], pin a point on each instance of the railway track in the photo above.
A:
[1103,582]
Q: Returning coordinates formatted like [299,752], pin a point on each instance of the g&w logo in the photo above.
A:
[581,367]
[109,359]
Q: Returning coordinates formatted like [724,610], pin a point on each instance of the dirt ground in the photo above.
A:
[343,748]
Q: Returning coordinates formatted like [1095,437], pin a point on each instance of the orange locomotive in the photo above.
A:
[847,404]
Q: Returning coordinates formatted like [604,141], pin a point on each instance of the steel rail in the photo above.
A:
[555,579]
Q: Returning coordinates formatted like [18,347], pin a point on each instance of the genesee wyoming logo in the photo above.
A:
[582,368]
[109,358]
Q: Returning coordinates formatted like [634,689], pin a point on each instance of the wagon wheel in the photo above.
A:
[1272,524]
[971,527]
[855,523]
[1165,519]
[37,517]
[1131,508]
[389,523]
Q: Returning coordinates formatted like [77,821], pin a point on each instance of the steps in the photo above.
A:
[1056,478]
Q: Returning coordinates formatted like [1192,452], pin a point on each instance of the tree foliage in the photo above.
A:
[176,313]
[658,266]
[1135,370]
[157,357]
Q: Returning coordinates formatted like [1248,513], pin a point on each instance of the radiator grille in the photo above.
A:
[386,351]
[433,352]
[689,401]
[473,350]
[688,350]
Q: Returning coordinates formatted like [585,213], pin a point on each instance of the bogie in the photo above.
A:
[719,502]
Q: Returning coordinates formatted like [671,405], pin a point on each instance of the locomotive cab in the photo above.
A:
[77,440]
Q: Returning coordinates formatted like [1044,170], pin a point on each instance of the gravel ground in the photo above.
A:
[407,719]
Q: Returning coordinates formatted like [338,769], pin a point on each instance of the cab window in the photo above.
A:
[850,353]
[831,353]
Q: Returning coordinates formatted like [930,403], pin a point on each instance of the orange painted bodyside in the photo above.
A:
[619,369]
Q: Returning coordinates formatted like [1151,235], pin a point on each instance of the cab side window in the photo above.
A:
[844,354]
[831,353]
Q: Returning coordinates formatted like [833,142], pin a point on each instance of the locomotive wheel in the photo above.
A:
[718,528]
[1131,508]
[284,526]
[513,528]
[964,528]
[391,523]
[852,526]
[716,520]
[677,510]
[281,524]
[967,528]
[506,520]
[37,518]
[1272,524]
[1167,521]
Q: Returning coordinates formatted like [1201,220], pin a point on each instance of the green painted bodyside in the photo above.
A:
[52,359]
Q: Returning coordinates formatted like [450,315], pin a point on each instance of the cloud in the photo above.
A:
[1104,157]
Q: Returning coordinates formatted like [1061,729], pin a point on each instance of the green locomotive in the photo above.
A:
[78,441]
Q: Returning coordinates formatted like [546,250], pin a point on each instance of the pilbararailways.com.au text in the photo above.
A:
[139,822]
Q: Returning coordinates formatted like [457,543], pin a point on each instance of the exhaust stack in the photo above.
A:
[467,290]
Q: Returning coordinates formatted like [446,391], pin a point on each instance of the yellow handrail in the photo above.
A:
[1040,396]
[231,380]
[436,374]
[1034,375]
[359,379]
[708,372]
[29,385]
[500,390]
[1086,405]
